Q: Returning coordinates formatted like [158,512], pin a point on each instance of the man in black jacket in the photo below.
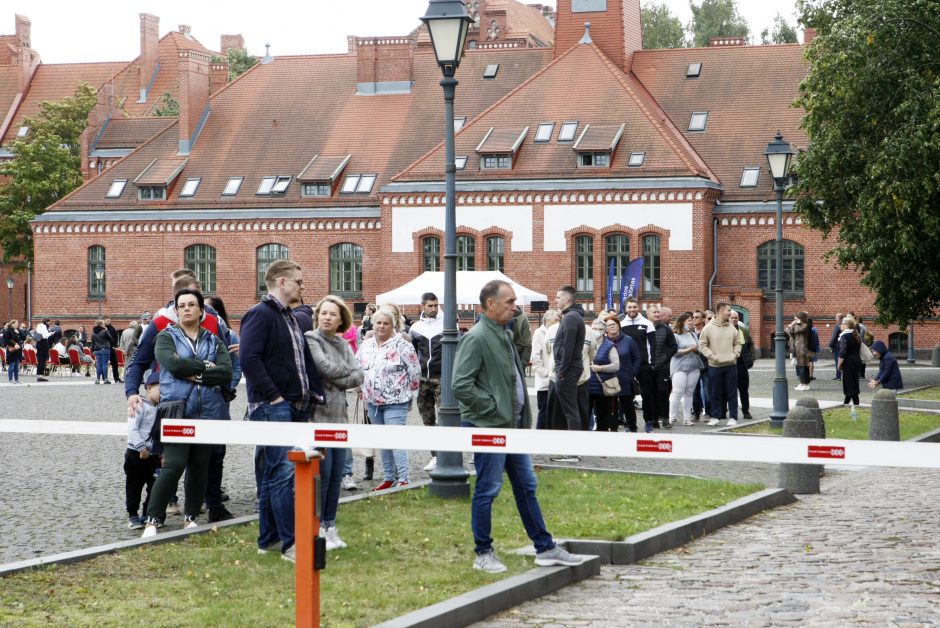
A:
[665,347]
[426,336]
[283,384]
[566,350]
[745,361]
[115,342]
[643,333]
[834,343]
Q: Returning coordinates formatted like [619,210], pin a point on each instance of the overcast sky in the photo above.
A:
[65,31]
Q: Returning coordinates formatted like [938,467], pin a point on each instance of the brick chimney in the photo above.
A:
[218,75]
[193,96]
[98,119]
[23,31]
[385,65]
[149,53]
[616,27]
[227,42]
[809,34]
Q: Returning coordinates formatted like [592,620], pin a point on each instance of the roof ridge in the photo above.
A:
[661,122]
[486,111]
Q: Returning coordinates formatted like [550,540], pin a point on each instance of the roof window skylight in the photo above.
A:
[280,186]
[491,70]
[694,70]
[23,131]
[358,184]
[459,123]
[267,183]
[749,177]
[698,120]
[233,185]
[460,162]
[117,187]
[567,131]
[544,132]
[190,187]
[636,159]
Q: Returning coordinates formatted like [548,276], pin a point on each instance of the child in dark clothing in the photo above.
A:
[889,373]
[141,463]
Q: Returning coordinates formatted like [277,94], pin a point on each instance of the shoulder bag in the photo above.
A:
[611,386]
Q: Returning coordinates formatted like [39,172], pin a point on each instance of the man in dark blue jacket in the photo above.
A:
[282,384]
[566,349]
[889,372]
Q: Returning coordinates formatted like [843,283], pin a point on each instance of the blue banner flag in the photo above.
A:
[630,282]
[610,285]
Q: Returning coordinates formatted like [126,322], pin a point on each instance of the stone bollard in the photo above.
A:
[811,403]
[884,424]
[801,422]
[935,357]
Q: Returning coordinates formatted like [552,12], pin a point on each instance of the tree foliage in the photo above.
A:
[239,62]
[168,107]
[782,33]
[716,18]
[872,170]
[661,28]
[46,165]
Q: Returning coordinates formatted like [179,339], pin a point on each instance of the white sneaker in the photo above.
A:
[673,421]
[150,530]
[800,387]
[431,465]
[712,423]
[190,524]
[731,422]
[688,422]
[332,539]
[349,483]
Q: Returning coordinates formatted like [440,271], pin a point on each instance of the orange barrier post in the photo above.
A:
[306,529]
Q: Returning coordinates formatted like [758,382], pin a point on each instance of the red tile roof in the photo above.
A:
[56,81]
[324,168]
[502,140]
[747,92]
[599,137]
[161,171]
[9,88]
[131,132]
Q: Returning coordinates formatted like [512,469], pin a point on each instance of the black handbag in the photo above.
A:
[168,410]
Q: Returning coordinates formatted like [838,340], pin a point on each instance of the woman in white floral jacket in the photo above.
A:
[392,374]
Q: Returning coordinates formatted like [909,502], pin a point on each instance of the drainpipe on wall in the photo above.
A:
[711,282]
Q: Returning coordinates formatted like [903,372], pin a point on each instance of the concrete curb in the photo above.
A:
[918,404]
[488,600]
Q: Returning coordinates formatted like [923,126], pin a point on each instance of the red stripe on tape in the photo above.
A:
[488,440]
[658,446]
[179,430]
[336,436]
[821,451]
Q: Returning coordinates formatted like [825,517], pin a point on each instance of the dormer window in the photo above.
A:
[151,192]
[496,162]
[273,185]
[594,160]
[698,120]
[498,148]
[319,177]
[694,70]
[316,189]
[116,189]
[596,145]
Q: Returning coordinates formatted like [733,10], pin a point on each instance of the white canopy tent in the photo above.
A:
[469,284]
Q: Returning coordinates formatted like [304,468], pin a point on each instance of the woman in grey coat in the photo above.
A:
[339,370]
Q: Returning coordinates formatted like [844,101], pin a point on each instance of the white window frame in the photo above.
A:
[460,162]
[116,189]
[459,123]
[267,184]
[694,70]
[747,175]
[544,132]
[281,185]
[22,132]
[636,159]
[190,187]
[350,184]
[698,116]
[233,186]
[491,70]
[564,135]
[150,191]
[366,183]
[320,189]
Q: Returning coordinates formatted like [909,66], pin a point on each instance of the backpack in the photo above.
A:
[814,341]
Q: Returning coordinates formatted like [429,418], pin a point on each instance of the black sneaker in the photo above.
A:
[747,416]
[219,514]
[224,496]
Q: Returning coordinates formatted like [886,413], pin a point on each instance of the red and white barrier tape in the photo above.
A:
[617,445]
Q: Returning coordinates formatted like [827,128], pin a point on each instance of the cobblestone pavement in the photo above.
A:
[61,493]
[863,552]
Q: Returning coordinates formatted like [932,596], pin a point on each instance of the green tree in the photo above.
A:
[782,33]
[239,62]
[46,165]
[661,28]
[168,107]
[716,18]
[871,173]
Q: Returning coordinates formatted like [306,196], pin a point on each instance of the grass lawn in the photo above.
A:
[927,394]
[406,551]
[840,425]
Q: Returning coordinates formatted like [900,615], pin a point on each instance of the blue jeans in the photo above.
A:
[276,495]
[331,474]
[347,468]
[724,386]
[394,461]
[13,371]
[101,364]
[490,469]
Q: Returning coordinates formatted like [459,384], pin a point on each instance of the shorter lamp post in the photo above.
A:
[447,22]
[10,288]
[99,279]
[779,155]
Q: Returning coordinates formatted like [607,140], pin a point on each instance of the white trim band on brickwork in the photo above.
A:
[767,449]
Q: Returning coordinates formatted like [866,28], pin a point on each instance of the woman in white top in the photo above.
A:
[684,370]
[542,363]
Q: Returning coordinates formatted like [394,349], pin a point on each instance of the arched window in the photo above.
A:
[431,247]
[792,268]
[346,269]
[466,253]
[584,263]
[618,251]
[651,259]
[200,258]
[494,253]
[264,255]
[96,261]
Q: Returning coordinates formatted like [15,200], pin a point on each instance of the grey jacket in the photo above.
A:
[339,370]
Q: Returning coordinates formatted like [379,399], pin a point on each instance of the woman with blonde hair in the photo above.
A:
[339,370]
[684,370]
[542,363]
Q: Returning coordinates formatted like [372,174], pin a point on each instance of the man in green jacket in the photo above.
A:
[490,386]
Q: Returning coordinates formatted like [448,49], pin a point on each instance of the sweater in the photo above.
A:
[720,343]
[339,370]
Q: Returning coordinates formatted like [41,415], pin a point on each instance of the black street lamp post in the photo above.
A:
[99,276]
[10,288]
[779,155]
[447,22]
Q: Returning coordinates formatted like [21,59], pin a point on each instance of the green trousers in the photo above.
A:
[178,457]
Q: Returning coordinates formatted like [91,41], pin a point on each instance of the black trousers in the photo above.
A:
[605,411]
[564,405]
[214,477]
[744,382]
[663,388]
[541,397]
[584,406]
[648,390]
[114,364]
[138,472]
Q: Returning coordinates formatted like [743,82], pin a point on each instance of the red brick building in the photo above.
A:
[575,147]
